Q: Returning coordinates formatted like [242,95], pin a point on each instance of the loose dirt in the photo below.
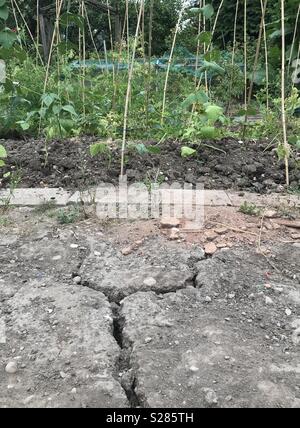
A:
[226,164]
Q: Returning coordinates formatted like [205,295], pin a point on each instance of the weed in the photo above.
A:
[69,215]
[250,209]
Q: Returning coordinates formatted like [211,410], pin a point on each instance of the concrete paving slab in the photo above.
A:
[60,341]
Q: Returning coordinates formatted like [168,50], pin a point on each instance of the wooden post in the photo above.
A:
[43,37]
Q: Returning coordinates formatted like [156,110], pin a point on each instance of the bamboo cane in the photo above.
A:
[266,56]
[284,128]
[170,62]
[294,39]
[258,46]
[130,75]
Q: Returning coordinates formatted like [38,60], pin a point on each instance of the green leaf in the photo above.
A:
[24,125]
[187,152]
[212,66]
[213,112]
[141,149]
[4,12]
[213,55]
[2,163]
[2,2]
[205,37]
[15,52]
[208,132]
[199,97]
[282,151]
[3,152]
[154,150]
[195,10]
[48,99]
[208,11]
[71,18]
[70,109]
[56,109]
[67,124]
[7,38]
[98,148]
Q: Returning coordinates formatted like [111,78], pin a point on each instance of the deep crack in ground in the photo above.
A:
[163,326]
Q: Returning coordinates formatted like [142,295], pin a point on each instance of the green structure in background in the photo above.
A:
[183,62]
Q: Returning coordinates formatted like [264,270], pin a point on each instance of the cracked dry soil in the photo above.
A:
[82,325]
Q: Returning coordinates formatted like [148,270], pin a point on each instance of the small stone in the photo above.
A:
[210,248]
[269,226]
[207,299]
[126,251]
[174,233]
[210,235]
[221,230]
[77,279]
[295,236]
[74,391]
[210,396]
[194,369]
[11,367]
[227,358]
[28,400]
[269,301]
[73,246]
[222,245]
[56,258]
[231,296]
[169,222]
[296,337]
[97,254]
[148,339]
[288,312]
[63,375]
[270,214]
[150,282]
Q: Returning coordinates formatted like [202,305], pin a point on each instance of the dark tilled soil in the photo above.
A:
[245,166]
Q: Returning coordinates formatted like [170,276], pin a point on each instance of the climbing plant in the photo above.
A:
[7,36]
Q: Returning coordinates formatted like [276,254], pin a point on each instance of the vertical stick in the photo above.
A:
[297,62]
[245,52]
[37,28]
[112,51]
[56,26]
[16,20]
[170,62]
[149,59]
[266,55]
[83,58]
[205,50]
[258,46]
[130,74]
[198,43]
[294,39]
[233,55]
[14,2]
[285,140]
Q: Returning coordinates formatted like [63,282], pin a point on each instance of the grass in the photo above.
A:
[250,209]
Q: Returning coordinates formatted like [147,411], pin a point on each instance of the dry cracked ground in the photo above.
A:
[84,324]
